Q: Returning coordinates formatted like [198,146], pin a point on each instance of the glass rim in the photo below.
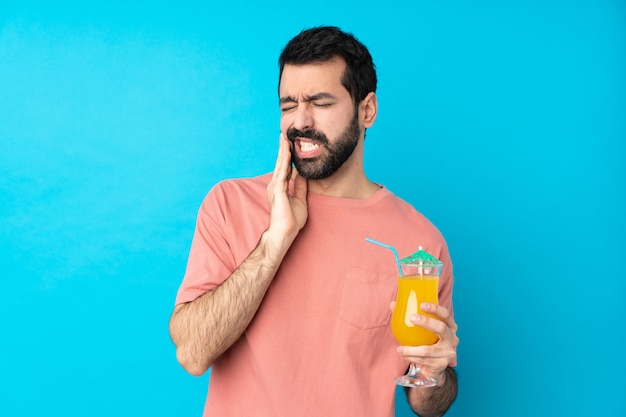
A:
[421,264]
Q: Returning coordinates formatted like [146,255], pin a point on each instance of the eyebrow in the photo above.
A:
[317,96]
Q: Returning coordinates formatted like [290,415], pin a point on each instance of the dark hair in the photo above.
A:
[323,43]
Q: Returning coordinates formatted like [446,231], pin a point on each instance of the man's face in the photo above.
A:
[318,117]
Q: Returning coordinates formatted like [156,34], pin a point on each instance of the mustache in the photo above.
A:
[312,134]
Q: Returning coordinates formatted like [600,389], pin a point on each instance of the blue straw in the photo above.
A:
[388,247]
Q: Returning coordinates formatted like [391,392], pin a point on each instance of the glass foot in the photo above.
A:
[413,379]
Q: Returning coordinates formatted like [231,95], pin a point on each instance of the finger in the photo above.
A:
[282,170]
[437,356]
[441,312]
[436,326]
[300,187]
[432,370]
[423,355]
[294,172]
[430,355]
[430,366]
[437,310]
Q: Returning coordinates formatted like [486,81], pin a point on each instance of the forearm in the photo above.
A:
[205,328]
[434,401]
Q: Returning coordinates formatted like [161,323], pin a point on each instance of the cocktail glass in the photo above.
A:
[418,283]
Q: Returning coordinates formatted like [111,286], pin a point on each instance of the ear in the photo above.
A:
[369,110]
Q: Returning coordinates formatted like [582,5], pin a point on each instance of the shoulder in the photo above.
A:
[235,184]
[405,207]
[234,194]
[239,187]
[410,217]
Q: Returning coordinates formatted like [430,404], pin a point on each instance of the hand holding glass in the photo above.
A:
[419,283]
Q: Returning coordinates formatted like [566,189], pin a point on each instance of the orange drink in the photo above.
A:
[414,290]
[418,283]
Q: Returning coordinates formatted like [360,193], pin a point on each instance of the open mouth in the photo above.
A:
[306,148]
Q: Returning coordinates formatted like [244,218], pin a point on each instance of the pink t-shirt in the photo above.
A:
[321,341]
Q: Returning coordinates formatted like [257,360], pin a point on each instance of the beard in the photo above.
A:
[334,155]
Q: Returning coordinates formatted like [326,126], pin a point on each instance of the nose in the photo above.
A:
[303,117]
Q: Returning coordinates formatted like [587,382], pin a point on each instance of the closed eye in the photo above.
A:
[287,103]
[285,109]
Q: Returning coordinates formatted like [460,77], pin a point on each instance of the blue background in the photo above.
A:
[116,119]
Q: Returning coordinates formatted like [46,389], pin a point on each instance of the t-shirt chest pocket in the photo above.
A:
[366,296]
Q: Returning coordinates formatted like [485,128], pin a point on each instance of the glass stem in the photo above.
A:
[413,370]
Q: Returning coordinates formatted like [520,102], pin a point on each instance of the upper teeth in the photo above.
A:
[307,146]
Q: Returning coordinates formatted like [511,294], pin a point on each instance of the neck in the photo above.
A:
[361,189]
[349,181]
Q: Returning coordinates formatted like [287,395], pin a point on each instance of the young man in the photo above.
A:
[282,296]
